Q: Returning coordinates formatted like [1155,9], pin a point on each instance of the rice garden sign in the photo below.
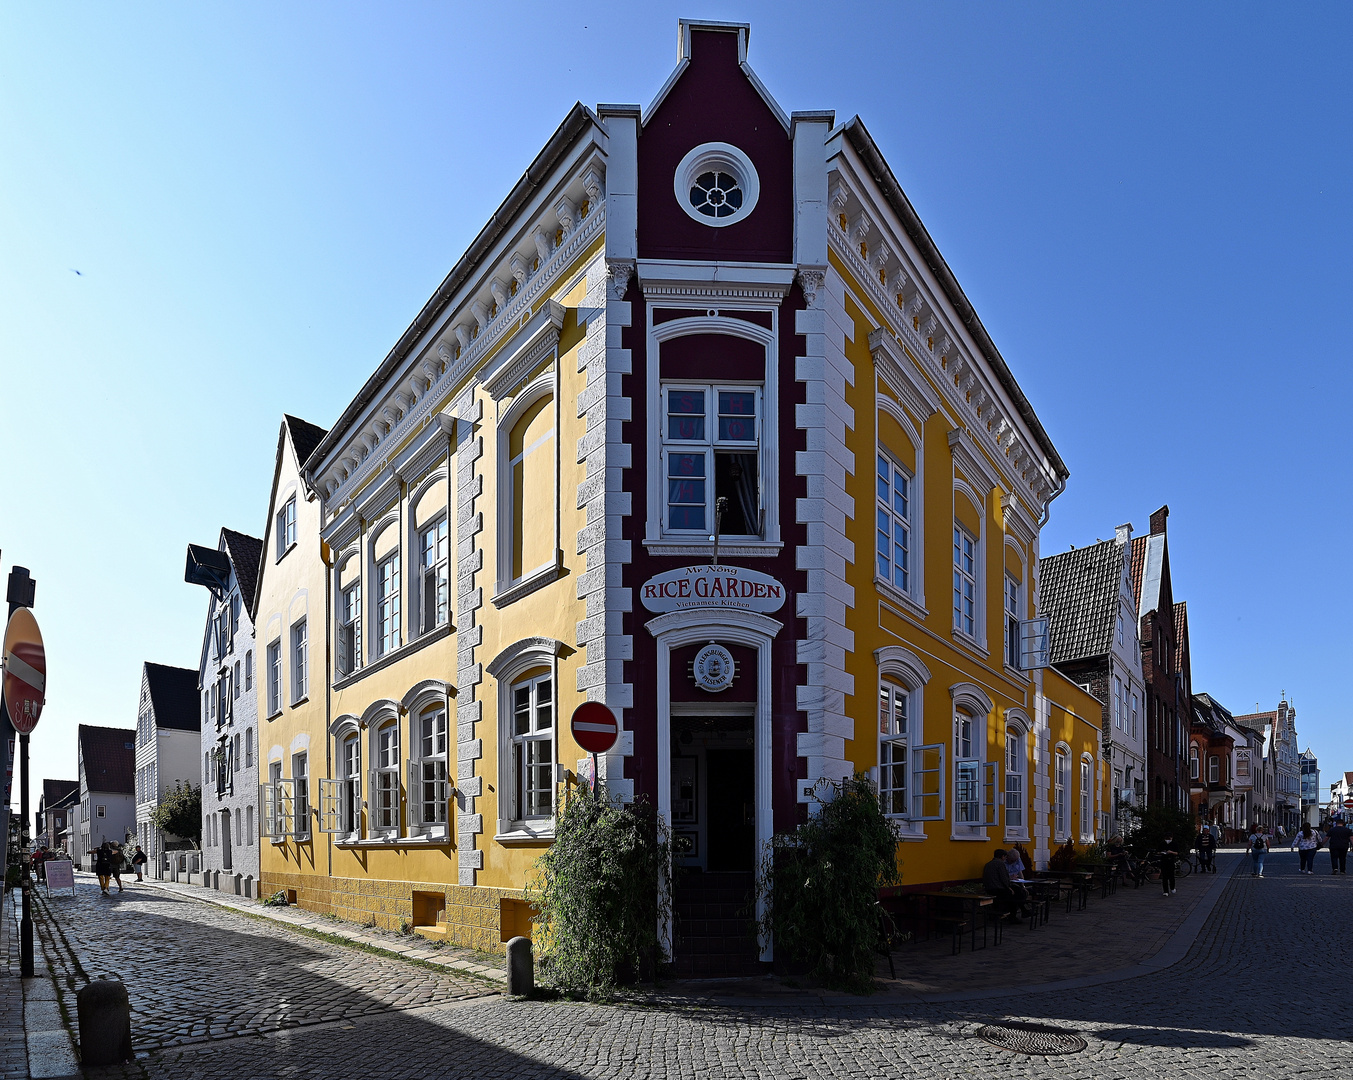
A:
[708,586]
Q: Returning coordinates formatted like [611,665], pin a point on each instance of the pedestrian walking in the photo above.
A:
[115,865]
[1168,860]
[139,862]
[1258,843]
[103,866]
[1207,851]
[1307,841]
[1338,838]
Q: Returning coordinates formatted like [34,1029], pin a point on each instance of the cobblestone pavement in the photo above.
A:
[196,972]
[13,1052]
[1258,995]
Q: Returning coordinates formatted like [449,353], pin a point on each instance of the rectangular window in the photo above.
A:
[1193,763]
[433,570]
[893,762]
[894,524]
[387,604]
[275,677]
[299,674]
[429,792]
[1119,720]
[100,811]
[249,670]
[967,774]
[1012,622]
[965,582]
[236,757]
[300,783]
[286,527]
[350,798]
[248,825]
[1014,779]
[386,778]
[235,682]
[248,748]
[1135,704]
[1242,765]
[723,448]
[533,748]
[350,629]
[1062,780]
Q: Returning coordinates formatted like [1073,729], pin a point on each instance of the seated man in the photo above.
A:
[996,881]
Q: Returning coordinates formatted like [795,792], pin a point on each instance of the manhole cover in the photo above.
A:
[1038,1039]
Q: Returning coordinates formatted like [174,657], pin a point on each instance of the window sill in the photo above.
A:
[903,600]
[273,715]
[966,640]
[1016,836]
[420,642]
[733,549]
[300,701]
[980,838]
[284,552]
[524,586]
[395,841]
[525,834]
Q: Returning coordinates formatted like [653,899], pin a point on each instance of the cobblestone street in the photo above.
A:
[276,1004]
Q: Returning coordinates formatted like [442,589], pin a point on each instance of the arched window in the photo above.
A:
[1016,764]
[910,776]
[893,734]
[975,779]
[967,775]
[350,785]
[1061,793]
[1087,822]
[385,561]
[528,511]
[1193,763]
[1213,769]
[430,516]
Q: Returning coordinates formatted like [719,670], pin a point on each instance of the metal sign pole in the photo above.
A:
[26,918]
[596,778]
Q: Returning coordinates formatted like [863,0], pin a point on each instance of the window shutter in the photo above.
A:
[1034,643]
[330,805]
[285,808]
[928,783]
[989,807]
[345,638]
[415,796]
[268,800]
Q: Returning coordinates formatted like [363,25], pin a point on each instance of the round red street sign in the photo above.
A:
[25,683]
[594,727]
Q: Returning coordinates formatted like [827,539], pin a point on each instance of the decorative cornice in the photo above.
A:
[971,460]
[363,464]
[811,280]
[538,338]
[902,375]
[926,339]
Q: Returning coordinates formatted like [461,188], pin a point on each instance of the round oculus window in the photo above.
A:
[716,184]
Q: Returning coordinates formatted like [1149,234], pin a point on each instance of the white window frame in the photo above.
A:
[276,797]
[435,575]
[507,587]
[348,654]
[887,514]
[274,676]
[428,785]
[300,794]
[971,771]
[924,774]
[535,689]
[1087,800]
[340,805]
[1214,768]
[507,668]
[1016,764]
[1012,602]
[286,527]
[384,775]
[387,605]
[967,625]
[702,321]
[1195,763]
[894,780]
[300,660]
[710,447]
[1061,783]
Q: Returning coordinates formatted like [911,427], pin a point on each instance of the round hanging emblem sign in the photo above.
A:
[713,668]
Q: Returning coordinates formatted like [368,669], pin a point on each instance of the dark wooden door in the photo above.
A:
[731,805]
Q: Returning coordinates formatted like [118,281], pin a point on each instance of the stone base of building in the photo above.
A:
[471,916]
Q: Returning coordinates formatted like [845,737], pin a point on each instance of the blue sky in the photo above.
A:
[1149,206]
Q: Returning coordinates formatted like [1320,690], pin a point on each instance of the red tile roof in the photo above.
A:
[109,756]
[1136,569]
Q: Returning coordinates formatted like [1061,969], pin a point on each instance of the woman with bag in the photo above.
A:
[103,866]
[1258,849]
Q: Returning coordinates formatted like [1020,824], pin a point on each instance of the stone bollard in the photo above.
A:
[521,976]
[105,1017]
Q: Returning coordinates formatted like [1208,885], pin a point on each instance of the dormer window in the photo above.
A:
[286,527]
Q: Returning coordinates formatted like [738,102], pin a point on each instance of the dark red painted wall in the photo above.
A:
[713,101]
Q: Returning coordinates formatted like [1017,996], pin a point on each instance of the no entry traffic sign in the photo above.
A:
[25,682]
[594,727]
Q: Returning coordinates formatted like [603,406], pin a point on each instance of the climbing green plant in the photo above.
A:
[819,884]
[598,895]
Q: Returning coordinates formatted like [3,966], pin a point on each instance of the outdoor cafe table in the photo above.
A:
[971,904]
[1079,880]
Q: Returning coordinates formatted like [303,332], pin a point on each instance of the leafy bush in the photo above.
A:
[1091,855]
[180,812]
[599,893]
[1064,858]
[1157,821]
[277,899]
[820,885]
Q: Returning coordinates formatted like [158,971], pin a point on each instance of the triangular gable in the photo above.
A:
[685,27]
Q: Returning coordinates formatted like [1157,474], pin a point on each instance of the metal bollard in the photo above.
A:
[105,1017]
[521,976]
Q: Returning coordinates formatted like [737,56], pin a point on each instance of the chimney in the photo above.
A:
[1158,521]
[1123,534]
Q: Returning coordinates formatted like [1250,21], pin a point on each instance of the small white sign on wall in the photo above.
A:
[706,586]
